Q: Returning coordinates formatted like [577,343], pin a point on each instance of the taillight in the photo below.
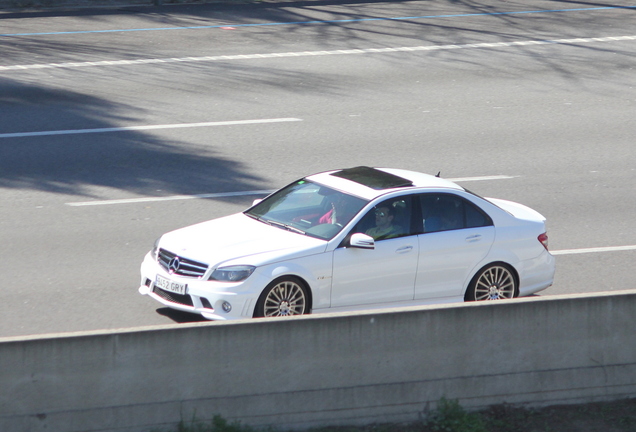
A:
[543,238]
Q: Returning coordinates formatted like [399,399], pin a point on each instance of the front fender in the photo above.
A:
[316,271]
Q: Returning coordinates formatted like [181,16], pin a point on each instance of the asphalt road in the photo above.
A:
[117,125]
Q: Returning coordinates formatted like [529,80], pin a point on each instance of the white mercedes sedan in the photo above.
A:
[352,239]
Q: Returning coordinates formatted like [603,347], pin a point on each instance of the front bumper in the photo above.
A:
[203,297]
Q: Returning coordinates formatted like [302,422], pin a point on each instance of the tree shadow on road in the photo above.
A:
[335,24]
[75,164]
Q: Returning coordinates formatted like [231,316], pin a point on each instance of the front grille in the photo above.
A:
[183,299]
[180,266]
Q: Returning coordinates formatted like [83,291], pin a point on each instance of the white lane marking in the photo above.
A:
[468,179]
[267,192]
[169,198]
[593,250]
[317,53]
[145,128]
[228,194]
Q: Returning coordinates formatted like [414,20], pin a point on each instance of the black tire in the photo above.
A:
[286,296]
[493,282]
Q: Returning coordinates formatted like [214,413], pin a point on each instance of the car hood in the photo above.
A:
[238,237]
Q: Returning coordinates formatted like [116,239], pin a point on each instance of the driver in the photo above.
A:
[384,227]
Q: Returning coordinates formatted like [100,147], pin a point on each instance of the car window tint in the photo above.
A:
[444,212]
[389,219]
[475,217]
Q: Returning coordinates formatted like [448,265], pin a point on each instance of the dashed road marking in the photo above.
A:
[593,250]
[147,127]
[168,198]
[425,48]
[231,194]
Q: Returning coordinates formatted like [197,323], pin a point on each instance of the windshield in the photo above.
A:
[308,208]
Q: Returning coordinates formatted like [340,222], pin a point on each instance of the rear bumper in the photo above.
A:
[536,274]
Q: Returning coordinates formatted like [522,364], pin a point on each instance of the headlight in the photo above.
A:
[155,249]
[232,274]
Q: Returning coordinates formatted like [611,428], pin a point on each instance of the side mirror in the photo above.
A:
[362,241]
[256,201]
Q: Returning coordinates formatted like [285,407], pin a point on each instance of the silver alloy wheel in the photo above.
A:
[285,298]
[495,283]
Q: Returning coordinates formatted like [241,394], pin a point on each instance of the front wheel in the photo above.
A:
[283,297]
[494,282]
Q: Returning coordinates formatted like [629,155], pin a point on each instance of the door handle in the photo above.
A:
[473,238]
[404,249]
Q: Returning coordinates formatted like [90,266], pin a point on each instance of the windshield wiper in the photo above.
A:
[294,229]
[260,219]
[276,223]
[285,226]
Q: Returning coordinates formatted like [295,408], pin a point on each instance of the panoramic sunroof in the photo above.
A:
[373,178]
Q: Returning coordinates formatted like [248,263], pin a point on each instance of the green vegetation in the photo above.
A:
[449,416]
[218,424]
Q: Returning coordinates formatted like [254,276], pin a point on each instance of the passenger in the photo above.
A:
[451,217]
[384,227]
[444,216]
[341,212]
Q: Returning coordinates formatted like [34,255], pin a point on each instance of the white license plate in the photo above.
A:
[169,285]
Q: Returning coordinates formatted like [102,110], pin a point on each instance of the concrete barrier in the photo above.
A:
[317,370]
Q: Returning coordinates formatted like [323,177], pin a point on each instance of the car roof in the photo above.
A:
[369,183]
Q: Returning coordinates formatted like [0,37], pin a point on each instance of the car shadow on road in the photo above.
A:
[179,316]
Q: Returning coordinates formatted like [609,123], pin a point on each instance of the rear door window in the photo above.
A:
[445,212]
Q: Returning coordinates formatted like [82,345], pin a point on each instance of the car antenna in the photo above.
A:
[438,173]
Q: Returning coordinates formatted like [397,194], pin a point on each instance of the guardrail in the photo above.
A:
[316,370]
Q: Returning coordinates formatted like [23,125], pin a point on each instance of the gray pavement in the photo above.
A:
[482,95]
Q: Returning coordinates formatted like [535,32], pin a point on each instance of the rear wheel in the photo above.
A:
[283,297]
[494,282]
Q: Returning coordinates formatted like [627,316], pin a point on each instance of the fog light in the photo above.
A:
[226,307]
